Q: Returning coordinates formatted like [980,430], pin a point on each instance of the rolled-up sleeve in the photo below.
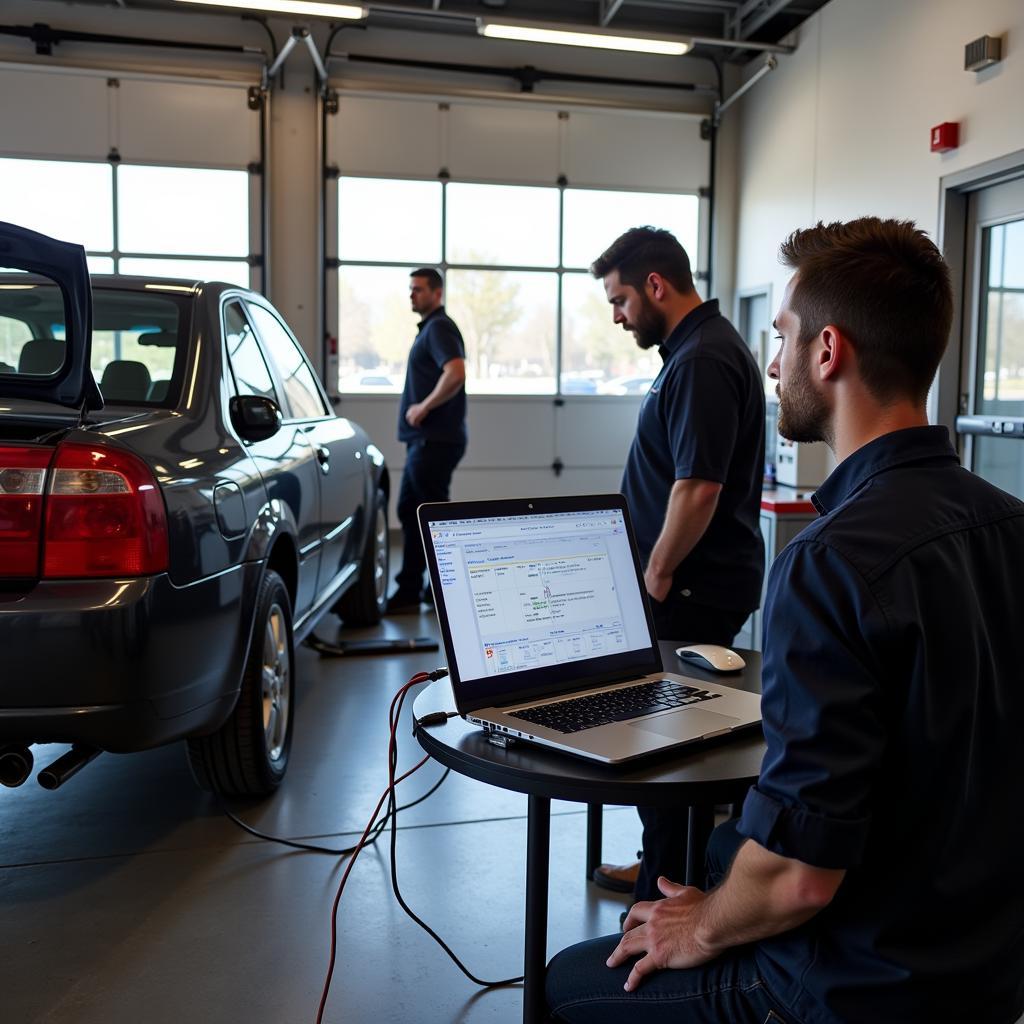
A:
[822,709]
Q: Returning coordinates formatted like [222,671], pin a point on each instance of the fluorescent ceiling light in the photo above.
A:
[665,45]
[313,8]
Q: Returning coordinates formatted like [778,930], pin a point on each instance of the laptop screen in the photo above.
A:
[536,596]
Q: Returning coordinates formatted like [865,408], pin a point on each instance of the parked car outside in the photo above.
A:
[179,507]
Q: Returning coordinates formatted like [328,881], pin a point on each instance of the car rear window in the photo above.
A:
[139,338]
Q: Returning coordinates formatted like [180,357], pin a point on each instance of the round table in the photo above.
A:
[697,778]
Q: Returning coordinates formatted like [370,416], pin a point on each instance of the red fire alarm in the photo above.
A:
[945,136]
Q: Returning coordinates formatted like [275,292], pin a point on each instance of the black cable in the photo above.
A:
[392,812]
[438,673]
[313,847]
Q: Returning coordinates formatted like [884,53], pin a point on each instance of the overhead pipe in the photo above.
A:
[15,764]
[67,765]
[45,38]
[527,76]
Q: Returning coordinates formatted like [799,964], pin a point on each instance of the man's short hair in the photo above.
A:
[885,285]
[434,279]
[642,251]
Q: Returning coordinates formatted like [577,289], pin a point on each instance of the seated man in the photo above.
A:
[874,875]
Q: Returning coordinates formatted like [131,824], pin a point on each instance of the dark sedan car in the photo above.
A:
[179,506]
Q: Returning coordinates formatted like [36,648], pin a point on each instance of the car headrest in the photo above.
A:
[125,380]
[41,357]
[158,390]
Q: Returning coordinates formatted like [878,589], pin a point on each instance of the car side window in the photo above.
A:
[300,385]
[252,377]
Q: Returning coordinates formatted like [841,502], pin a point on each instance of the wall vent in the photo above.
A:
[982,53]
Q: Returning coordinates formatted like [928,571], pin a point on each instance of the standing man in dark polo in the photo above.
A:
[431,422]
[692,480]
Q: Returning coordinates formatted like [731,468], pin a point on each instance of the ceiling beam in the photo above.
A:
[760,11]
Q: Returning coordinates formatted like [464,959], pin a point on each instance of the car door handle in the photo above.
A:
[323,456]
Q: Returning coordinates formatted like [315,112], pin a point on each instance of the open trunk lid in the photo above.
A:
[46,301]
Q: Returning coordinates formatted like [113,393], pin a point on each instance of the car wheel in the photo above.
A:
[364,602]
[248,755]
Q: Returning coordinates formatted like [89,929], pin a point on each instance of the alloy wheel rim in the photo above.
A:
[276,682]
[380,559]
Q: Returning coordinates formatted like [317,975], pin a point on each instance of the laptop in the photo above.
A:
[548,633]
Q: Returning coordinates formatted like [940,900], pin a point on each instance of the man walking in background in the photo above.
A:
[692,480]
[431,422]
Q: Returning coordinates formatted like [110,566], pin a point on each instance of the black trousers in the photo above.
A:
[427,476]
[664,837]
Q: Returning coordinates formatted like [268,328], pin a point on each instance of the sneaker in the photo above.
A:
[399,603]
[617,877]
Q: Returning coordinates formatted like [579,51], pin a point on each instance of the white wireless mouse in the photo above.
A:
[712,657]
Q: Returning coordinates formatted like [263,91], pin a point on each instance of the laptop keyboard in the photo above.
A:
[596,709]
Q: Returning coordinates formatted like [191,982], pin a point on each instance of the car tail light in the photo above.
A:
[22,476]
[104,515]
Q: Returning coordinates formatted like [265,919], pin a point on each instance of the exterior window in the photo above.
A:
[515,260]
[300,386]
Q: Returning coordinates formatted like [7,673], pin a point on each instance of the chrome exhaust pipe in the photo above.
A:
[15,764]
[67,765]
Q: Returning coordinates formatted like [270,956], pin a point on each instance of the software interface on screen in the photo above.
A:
[524,592]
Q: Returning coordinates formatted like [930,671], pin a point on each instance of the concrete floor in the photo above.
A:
[128,896]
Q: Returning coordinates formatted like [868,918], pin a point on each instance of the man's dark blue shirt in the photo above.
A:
[438,342]
[704,417]
[893,713]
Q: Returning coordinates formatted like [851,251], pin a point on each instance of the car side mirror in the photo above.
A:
[254,417]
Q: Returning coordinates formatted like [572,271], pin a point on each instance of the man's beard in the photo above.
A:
[649,328]
[803,414]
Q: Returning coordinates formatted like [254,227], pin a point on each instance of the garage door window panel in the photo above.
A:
[594,218]
[389,221]
[183,211]
[68,200]
[502,225]
[508,321]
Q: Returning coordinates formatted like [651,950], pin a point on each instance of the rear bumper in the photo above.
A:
[123,664]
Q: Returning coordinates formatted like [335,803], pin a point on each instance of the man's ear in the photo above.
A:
[833,352]
[655,285]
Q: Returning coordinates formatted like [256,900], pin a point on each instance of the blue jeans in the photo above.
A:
[728,990]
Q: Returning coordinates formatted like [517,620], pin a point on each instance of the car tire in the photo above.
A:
[364,602]
[248,755]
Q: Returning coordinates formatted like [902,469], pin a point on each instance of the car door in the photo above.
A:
[63,376]
[286,461]
[342,488]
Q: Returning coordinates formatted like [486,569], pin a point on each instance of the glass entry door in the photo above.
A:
[992,406]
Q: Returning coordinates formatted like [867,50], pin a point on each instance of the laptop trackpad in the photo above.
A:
[691,722]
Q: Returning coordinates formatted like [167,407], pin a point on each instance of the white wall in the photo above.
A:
[841,128]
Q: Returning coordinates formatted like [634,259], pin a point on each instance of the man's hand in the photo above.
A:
[658,585]
[665,930]
[416,414]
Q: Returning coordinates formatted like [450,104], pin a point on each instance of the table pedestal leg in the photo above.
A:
[595,822]
[538,841]
[701,822]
